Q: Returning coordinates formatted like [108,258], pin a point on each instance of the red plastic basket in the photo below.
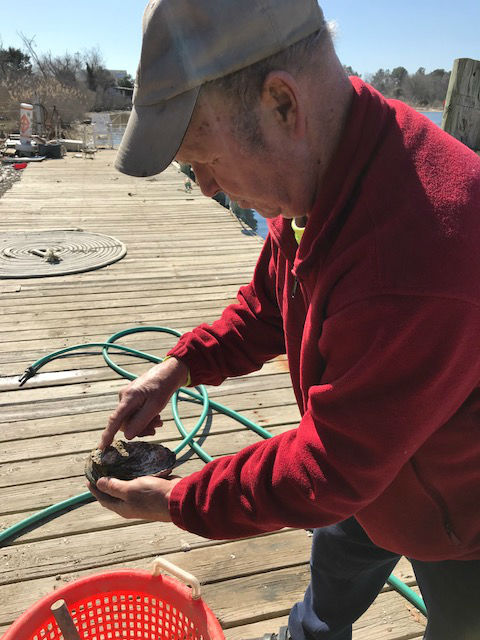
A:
[133,605]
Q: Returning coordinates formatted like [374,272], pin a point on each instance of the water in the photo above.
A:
[434,116]
[262,227]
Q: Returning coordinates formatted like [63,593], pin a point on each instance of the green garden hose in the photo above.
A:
[199,394]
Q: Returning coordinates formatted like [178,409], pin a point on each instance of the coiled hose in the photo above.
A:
[199,394]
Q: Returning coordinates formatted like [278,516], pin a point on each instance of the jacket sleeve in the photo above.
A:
[395,369]
[246,335]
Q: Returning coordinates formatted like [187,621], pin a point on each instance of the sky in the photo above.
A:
[371,35]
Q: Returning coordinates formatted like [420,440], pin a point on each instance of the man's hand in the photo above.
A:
[141,401]
[145,498]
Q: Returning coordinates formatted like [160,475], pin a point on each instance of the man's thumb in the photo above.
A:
[112,487]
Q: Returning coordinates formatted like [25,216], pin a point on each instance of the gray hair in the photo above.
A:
[243,88]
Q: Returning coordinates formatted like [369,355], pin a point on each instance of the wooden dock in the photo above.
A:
[186,259]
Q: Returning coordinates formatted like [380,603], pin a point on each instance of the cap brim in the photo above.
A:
[154,134]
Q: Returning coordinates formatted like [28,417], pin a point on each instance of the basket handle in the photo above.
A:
[160,563]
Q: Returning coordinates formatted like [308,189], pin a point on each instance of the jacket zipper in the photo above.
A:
[439,501]
[294,288]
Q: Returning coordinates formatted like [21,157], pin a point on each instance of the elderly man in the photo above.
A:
[369,280]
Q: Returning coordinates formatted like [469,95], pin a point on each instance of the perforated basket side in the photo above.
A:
[131,605]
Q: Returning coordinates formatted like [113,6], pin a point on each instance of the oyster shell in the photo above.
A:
[128,460]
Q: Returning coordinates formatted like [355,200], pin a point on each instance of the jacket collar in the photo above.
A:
[369,114]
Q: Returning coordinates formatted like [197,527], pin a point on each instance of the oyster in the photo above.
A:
[128,460]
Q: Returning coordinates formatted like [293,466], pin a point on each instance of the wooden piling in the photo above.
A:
[461,116]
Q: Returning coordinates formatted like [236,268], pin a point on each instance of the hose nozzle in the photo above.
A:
[29,373]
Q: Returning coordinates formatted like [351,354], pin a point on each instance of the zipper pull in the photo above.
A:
[294,288]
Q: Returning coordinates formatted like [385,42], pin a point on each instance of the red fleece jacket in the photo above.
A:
[383,343]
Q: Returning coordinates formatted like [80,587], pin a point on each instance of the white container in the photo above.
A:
[26,122]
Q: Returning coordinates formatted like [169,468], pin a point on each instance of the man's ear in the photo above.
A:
[281,98]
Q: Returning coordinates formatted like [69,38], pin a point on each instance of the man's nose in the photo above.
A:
[206,181]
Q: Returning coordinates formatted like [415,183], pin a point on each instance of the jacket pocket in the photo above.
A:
[436,497]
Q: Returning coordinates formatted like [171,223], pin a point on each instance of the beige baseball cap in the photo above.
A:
[187,43]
